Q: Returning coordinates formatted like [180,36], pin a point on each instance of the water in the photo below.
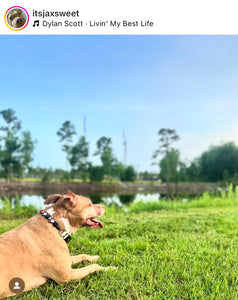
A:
[112,199]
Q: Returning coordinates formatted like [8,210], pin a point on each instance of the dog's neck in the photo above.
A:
[62,218]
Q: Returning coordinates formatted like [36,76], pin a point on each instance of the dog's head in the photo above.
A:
[79,210]
[16,19]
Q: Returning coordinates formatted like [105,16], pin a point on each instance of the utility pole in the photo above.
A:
[124,146]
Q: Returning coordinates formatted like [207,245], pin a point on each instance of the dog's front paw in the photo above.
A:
[96,267]
[94,257]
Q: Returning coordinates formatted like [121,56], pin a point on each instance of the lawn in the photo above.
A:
[180,251]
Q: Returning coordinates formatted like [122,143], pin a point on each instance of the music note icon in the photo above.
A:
[36,23]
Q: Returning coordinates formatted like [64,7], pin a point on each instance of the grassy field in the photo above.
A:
[162,250]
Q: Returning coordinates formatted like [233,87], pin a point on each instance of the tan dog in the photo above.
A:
[16,19]
[36,250]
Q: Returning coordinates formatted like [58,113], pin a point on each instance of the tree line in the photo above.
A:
[77,156]
[218,163]
[17,148]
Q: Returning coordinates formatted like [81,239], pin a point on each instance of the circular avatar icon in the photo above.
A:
[16,285]
[16,18]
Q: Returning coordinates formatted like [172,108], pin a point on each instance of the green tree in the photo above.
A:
[128,174]
[216,160]
[225,175]
[182,173]
[78,157]
[27,149]
[167,137]
[189,173]
[193,171]
[47,175]
[66,133]
[96,173]
[10,147]
[170,156]
[169,166]
[12,123]
[105,151]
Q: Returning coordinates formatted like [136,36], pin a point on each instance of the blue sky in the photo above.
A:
[136,83]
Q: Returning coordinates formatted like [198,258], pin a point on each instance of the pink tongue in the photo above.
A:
[97,221]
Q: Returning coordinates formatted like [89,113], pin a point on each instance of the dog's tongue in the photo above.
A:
[98,222]
[94,223]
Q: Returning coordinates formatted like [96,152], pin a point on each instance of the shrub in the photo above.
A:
[96,173]
[128,174]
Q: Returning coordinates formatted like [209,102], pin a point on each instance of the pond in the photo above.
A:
[119,200]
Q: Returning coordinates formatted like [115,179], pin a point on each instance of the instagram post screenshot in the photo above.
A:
[119,150]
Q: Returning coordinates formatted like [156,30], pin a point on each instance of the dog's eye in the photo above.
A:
[11,18]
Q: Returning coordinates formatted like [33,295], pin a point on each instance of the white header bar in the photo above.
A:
[101,17]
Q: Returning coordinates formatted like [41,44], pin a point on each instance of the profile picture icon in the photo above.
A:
[16,18]
[16,285]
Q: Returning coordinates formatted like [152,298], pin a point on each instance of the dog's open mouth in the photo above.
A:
[94,223]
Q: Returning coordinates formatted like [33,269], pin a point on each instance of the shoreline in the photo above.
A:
[38,187]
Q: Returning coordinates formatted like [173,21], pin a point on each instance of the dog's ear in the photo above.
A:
[53,198]
[19,11]
[69,194]
[70,198]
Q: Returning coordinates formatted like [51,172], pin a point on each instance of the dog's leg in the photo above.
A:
[64,275]
[35,282]
[79,258]
[78,274]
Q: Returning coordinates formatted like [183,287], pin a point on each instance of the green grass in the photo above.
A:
[224,198]
[19,210]
[180,251]
[25,179]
